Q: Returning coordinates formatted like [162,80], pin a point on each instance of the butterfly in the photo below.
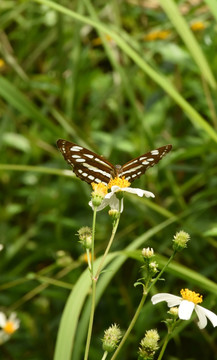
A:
[91,167]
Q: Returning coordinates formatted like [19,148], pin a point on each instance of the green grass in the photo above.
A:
[61,76]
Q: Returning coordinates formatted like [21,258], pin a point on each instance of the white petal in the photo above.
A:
[3,319]
[172,300]
[185,309]
[109,195]
[14,319]
[114,203]
[111,200]
[138,192]
[201,313]
[114,189]
[103,204]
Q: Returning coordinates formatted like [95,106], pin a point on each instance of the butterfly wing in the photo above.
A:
[87,165]
[133,169]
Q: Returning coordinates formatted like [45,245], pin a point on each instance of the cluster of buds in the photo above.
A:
[111,338]
[149,345]
[85,236]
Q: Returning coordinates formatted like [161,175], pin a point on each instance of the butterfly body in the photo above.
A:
[91,167]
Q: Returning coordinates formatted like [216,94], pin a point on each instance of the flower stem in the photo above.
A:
[105,355]
[133,321]
[93,294]
[167,338]
[108,247]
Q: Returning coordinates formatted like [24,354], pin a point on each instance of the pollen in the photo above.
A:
[191,296]
[9,327]
[100,189]
[121,182]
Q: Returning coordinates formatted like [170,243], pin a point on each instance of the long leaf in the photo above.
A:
[162,81]
[178,21]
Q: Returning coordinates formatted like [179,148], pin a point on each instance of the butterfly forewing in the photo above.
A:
[87,165]
[91,167]
[134,168]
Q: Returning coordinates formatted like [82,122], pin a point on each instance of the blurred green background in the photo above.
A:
[124,78]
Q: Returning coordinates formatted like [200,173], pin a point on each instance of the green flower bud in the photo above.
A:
[85,236]
[111,338]
[180,240]
[149,345]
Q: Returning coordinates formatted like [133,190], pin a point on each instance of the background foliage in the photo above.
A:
[124,78]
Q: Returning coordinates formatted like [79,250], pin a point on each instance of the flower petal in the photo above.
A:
[111,200]
[103,204]
[201,313]
[172,300]
[138,192]
[3,319]
[185,309]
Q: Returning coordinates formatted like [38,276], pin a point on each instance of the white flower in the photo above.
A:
[8,326]
[116,204]
[187,303]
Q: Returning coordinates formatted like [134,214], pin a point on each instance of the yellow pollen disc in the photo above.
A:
[9,327]
[100,189]
[121,182]
[191,296]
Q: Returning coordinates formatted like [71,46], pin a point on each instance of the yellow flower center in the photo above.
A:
[100,189]
[157,34]
[9,328]
[197,26]
[191,296]
[121,182]
[2,63]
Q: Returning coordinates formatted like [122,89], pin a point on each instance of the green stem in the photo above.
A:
[89,258]
[93,294]
[92,311]
[105,355]
[108,248]
[133,321]
[167,338]
[93,239]
[161,272]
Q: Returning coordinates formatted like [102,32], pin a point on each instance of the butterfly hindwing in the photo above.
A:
[87,165]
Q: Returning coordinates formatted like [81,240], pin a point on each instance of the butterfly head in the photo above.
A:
[116,171]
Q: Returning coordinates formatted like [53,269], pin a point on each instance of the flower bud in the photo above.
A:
[153,266]
[85,236]
[147,253]
[149,345]
[111,338]
[180,240]
[114,213]
[100,191]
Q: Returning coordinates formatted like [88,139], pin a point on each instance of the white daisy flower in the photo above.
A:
[8,326]
[187,303]
[117,186]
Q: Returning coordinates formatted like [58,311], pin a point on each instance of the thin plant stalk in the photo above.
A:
[135,317]
[96,276]
[108,248]
[93,294]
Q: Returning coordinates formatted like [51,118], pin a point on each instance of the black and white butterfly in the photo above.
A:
[91,167]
